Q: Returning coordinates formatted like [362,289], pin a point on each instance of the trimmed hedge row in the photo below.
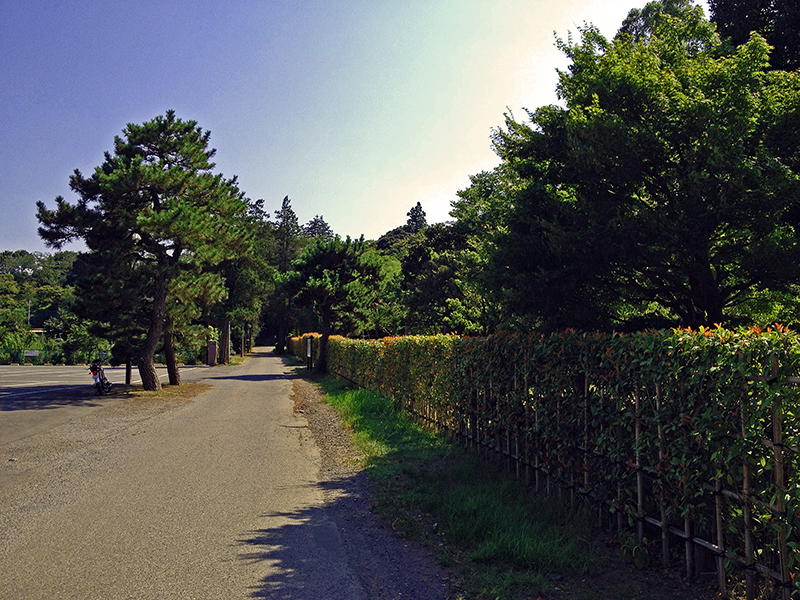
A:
[688,435]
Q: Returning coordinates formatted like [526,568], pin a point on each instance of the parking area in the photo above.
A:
[37,398]
[28,380]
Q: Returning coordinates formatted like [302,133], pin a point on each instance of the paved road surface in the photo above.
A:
[34,399]
[216,498]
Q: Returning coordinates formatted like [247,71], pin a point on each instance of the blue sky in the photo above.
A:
[355,109]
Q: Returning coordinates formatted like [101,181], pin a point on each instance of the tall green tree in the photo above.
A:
[154,206]
[778,21]
[480,214]
[288,233]
[338,278]
[663,189]
[431,293]
[417,220]
[250,279]
[318,228]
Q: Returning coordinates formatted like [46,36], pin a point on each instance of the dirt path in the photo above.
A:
[227,495]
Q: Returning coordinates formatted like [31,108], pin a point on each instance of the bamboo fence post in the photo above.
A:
[572,489]
[526,440]
[538,451]
[780,483]
[720,559]
[688,547]
[748,535]
[586,450]
[559,470]
[619,480]
[662,455]
[474,429]
[687,522]
[492,426]
[509,455]
[544,464]
[516,430]
[639,475]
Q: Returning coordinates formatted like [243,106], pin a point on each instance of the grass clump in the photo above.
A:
[501,541]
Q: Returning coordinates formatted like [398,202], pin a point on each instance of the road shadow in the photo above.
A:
[44,398]
[341,551]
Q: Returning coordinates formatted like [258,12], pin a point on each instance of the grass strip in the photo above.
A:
[501,541]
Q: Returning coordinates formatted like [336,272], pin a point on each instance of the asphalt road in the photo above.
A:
[34,399]
[218,497]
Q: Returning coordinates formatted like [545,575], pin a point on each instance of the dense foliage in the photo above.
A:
[664,192]
[339,279]
[777,20]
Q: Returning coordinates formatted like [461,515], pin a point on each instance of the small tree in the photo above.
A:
[416,219]
[318,228]
[335,277]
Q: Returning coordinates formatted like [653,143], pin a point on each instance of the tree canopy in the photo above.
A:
[776,20]
[661,193]
[318,228]
[663,190]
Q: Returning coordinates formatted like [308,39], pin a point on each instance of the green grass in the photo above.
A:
[500,540]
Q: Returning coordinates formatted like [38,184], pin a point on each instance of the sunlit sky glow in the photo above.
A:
[355,109]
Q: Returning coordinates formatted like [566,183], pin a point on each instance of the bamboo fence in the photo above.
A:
[560,426]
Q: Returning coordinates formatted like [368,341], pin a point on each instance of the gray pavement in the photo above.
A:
[34,399]
[214,498]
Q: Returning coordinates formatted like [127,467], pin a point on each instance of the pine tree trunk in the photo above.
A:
[225,344]
[169,353]
[158,312]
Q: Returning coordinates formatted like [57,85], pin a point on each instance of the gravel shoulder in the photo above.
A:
[391,568]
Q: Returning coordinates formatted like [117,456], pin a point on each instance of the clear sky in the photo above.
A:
[355,109]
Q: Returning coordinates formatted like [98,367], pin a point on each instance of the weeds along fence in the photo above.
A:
[687,442]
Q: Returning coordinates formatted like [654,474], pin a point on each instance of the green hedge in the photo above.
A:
[690,431]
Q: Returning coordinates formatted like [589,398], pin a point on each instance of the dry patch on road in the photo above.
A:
[134,397]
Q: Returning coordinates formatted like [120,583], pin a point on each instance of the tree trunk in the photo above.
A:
[158,312]
[225,344]
[169,353]
[128,369]
[705,295]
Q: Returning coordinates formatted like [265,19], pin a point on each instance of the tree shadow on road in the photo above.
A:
[43,398]
[340,550]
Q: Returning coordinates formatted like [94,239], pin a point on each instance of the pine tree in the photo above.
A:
[154,207]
